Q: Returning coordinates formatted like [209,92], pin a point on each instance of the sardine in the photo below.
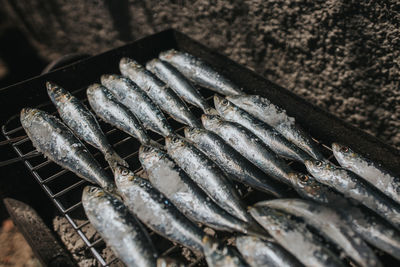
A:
[372,228]
[264,110]
[177,82]
[169,262]
[174,183]
[158,91]
[271,137]
[329,223]
[372,172]
[137,101]
[219,255]
[53,138]
[206,175]
[82,122]
[262,253]
[232,162]
[156,211]
[200,72]
[249,145]
[294,237]
[125,235]
[352,186]
[106,106]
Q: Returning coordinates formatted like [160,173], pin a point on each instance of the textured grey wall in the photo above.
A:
[342,55]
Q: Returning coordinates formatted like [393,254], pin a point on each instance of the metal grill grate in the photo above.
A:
[65,189]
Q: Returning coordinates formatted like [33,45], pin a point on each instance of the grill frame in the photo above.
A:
[322,125]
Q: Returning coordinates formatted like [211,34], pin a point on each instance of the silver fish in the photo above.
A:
[200,72]
[53,138]
[177,82]
[249,145]
[294,237]
[158,91]
[329,223]
[352,186]
[219,255]
[110,110]
[206,175]
[156,211]
[264,110]
[82,122]
[272,138]
[372,228]
[119,228]
[264,253]
[174,183]
[137,101]
[372,172]
[232,162]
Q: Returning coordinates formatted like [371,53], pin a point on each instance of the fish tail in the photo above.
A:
[114,160]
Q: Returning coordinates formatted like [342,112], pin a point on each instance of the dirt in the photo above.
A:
[14,251]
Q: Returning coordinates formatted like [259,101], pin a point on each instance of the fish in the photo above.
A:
[249,145]
[372,172]
[200,72]
[232,162]
[352,186]
[206,175]
[271,137]
[166,176]
[330,224]
[57,142]
[220,255]
[125,235]
[294,236]
[276,117]
[82,122]
[372,228]
[156,211]
[106,106]
[158,91]
[137,101]
[177,82]
[258,252]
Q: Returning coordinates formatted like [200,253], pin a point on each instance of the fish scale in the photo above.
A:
[119,228]
[57,142]
[82,122]
[156,211]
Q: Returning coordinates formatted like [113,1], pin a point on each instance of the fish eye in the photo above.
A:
[124,172]
[93,189]
[303,178]
[344,149]
[318,163]
[175,139]
[225,102]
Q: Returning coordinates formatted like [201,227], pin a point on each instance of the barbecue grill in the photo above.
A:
[57,192]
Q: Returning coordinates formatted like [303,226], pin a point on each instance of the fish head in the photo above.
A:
[168,54]
[343,153]
[127,63]
[27,115]
[92,192]
[173,142]
[93,89]
[149,153]
[318,168]
[57,94]
[223,105]
[211,121]
[152,64]
[192,133]
[123,177]
[306,185]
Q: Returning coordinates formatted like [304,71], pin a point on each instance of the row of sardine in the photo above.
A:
[244,138]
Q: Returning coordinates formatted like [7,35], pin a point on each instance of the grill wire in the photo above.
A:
[66,193]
